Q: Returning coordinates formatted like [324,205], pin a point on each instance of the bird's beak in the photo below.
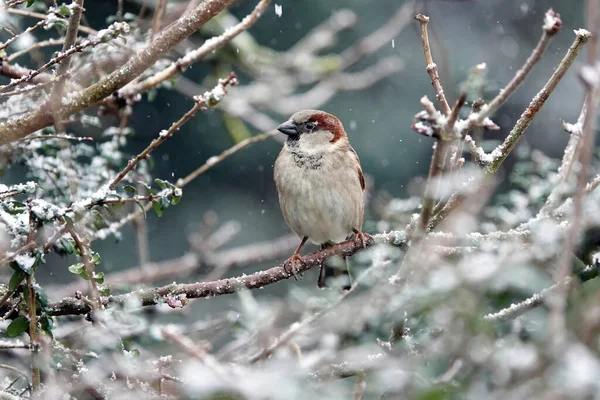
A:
[289,128]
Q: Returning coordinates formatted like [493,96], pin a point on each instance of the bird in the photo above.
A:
[320,184]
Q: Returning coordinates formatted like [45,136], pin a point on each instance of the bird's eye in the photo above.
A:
[310,126]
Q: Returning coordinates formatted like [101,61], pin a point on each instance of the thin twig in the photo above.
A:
[141,235]
[296,327]
[201,102]
[32,14]
[494,160]
[190,348]
[194,56]
[431,67]
[160,295]
[27,89]
[84,251]
[34,345]
[211,162]
[577,223]
[437,166]
[575,131]
[518,309]
[439,151]
[157,18]
[63,65]
[552,24]
[30,29]
[65,137]
[18,127]
[593,184]
[59,57]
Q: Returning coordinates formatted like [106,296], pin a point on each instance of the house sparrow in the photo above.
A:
[320,184]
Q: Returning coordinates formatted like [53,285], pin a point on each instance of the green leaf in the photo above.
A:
[161,183]
[16,278]
[175,200]
[18,326]
[39,259]
[157,209]
[47,325]
[42,297]
[15,207]
[144,184]
[96,259]
[68,245]
[30,3]
[104,289]
[130,189]
[26,263]
[64,11]
[84,275]
[164,203]
[77,269]
[141,206]
[99,277]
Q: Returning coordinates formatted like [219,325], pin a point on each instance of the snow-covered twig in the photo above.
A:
[575,131]
[21,126]
[115,29]
[35,46]
[84,250]
[194,56]
[492,161]
[552,25]
[32,14]
[28,30]
[430,66]
[591,78]
[63,65]
[208,99]
[296,327]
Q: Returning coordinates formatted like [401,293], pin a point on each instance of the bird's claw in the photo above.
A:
[292,264]
[362,239]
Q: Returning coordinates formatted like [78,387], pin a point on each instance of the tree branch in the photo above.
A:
[492,161]
[552,24]
[19,127]
[194,56]
[160,295]
[201,102]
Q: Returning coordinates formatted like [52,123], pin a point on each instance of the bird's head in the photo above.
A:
[313,131]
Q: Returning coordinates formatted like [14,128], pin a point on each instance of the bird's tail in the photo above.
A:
[327,272]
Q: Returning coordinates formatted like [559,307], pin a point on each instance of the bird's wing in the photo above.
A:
[361,177]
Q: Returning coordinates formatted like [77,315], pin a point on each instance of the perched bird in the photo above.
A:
[320,184]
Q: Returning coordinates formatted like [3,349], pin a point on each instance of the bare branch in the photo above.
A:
[194,56]
[63,65]
[552,24]
[31,14]
[431,67]
[30,74]
[492,161]
[201,102]
[584,152]
[151,297]
[21,126]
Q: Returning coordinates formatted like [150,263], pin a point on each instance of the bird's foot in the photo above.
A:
[362,239]
[293,264]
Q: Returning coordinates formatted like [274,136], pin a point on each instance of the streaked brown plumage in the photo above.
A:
[320,183]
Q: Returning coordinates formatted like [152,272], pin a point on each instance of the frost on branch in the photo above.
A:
[461,308]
